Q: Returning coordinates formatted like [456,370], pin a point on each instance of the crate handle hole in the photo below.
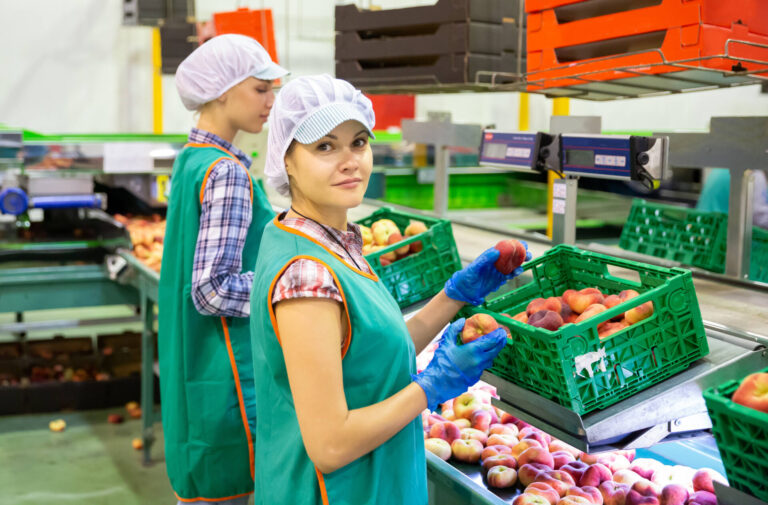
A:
[626,276]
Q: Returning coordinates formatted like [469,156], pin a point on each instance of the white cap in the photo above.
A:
[221,63]
[307,109]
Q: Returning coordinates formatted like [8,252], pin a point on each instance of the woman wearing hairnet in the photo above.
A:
[216,215]
[335,372]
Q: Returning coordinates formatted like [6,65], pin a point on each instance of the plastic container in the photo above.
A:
[741,434]
[419,275]
[573,366]
[689,236]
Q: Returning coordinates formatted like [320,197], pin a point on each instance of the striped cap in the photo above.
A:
[326,118]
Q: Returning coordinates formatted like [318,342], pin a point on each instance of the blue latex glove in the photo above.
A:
[480,278]
[454,368]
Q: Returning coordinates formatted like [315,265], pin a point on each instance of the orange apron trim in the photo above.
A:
[211,499]
[208,172]
[323,490]
[239,395]
[271,291]
[280,225]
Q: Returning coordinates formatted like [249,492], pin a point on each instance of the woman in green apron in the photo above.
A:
[335,372]
[216,215]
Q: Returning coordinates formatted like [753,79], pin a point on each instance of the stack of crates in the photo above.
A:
[575,46]
[450,42]
[688,236]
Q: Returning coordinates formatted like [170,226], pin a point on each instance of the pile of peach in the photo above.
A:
[551,472]
[147,235]
[384,233]
[577,306]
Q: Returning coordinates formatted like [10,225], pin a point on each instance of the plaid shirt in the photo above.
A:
[218,287]
[309,279]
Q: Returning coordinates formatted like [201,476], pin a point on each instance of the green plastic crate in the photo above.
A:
[634,358]
[759,259]
[689,236]
[423,274]
[741,434]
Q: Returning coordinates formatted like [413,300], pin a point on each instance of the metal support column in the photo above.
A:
[441,180]
[147,379]
[739,224]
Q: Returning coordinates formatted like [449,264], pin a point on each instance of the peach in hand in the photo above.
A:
[439,448]
[511,255]
[501,477]
[477,326]
[467,451]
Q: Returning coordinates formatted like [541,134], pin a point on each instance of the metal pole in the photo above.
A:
[147,375]
[737,258]
[441,180]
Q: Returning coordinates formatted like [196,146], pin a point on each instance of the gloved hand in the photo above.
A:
[480,278]
[454,368]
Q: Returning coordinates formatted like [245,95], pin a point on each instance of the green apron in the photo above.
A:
[377,363]
[206,372]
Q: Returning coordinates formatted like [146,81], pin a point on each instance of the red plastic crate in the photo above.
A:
[253,23]
[392,109]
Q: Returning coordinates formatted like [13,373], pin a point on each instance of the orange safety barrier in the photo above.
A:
[254,23]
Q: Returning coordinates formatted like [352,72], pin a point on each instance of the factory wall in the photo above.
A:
[78,69]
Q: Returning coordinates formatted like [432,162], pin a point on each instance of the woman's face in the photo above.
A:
[248,104]
[334,171]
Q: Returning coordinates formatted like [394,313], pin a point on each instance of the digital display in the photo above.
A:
[580,157]
[494,150]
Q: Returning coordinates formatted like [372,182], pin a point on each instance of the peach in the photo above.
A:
[626,476]
[445,430]
[508,418]
[566,313]
[384,261]
[536,455]
[574,500]
[576,469]
[611,301]
[544,490]
[609,328]
[629,454]
[595,475]
[529,499]
[753,392]
[414,228]
[433,419]
[396,237]
[616,462]
[540,437]
[591,459]
[703,480]
[477,326]
[501,477]
[591,311]
[589,492]
[538,304]
[467,451]
[547,319]
[639,313]
[497,439]
[523,446]
[390,256]
[462,423]
[465,404]
[677,474]
[580,300]
[527,473]
[557,480]
[511,255]
[645,467]
[473,434]
[449,415]
[382,229]
[528,430]
[643,492]
[439,447]
[558,445]
[57,425]
[614,493]
[673,494]
[702,498]
[499,460]
[367,235]
[137,444]
[503,429]
[495,450]
[562,458]
[522,317]
[481,420]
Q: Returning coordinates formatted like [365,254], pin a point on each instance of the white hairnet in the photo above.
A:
[221,63]
[306,109]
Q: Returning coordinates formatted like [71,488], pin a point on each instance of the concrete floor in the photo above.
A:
[92,462]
